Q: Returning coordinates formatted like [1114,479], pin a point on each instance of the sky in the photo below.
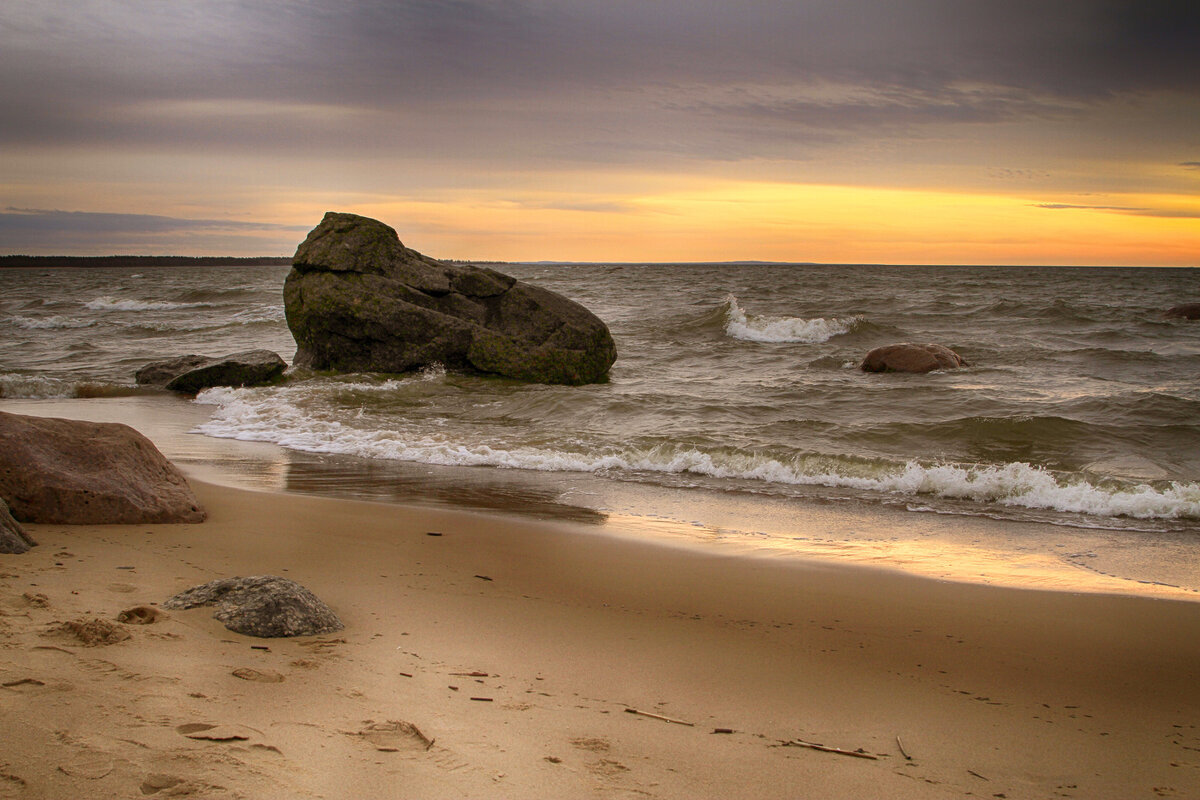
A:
[840,131]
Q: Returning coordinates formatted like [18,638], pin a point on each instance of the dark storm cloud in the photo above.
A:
[43,221]
[466,73]
[1165,213]
[51,232]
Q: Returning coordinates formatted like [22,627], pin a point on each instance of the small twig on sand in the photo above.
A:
[860,753]
[472,674]
[658,716]
[903,752]
[977,775]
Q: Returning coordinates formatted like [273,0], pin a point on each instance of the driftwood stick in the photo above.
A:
[824,749]
[659,716]
[903,752]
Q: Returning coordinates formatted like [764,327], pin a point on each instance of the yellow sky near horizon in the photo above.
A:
[732,220]
[798,130]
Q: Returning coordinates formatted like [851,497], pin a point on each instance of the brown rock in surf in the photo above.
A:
[911,358]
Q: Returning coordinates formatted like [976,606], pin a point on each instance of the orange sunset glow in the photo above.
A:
[926,133]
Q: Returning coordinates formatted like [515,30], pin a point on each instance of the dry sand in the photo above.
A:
[498,660]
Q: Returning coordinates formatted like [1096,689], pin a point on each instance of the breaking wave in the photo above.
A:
[754,328]
[287,416]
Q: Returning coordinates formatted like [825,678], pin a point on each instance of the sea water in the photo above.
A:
[735,409]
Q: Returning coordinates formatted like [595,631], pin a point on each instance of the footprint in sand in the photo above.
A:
[593,744]
[217,733]
[11,786]
[258,675]
[157,782]
[90,766]
[608,767]
[141,615]
[394,735]
[36,600]
[179,787]
[90,632]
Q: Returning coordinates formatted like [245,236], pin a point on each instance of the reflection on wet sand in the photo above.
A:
[477,488]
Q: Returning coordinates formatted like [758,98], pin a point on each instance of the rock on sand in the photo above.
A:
[86,473]
[263,605]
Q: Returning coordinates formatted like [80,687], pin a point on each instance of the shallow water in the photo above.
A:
[735,387]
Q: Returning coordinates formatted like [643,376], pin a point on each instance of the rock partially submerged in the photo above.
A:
[85,473]
[910,357]
[357,300]
[194,373]
[13,538]
[266,606]
[1185,311]
[160,373]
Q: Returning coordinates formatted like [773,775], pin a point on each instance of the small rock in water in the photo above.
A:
[910,357]
[193,373]
[1184,311]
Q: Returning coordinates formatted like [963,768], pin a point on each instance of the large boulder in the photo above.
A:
[1185,311]
[13,538]
[83,473]
[911,358]
[266,606]
[357,300]
[193,373]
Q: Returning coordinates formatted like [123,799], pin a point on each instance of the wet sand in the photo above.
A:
[500,659]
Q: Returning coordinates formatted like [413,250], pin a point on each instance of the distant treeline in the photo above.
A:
[142,261]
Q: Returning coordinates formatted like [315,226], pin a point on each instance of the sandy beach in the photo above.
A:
[501,658]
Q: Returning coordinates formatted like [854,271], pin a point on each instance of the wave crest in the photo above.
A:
[109,303]
[287,418]
[755,328]
[38,387]
[56,322]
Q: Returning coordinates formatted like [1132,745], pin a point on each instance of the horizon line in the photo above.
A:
[555,262]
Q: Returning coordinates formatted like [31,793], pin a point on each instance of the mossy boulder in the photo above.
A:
[358,300]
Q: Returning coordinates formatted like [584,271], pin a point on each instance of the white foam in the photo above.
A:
[109,303]
[283,415]
[753,328]
[49,323]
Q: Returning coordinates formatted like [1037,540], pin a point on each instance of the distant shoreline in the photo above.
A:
[142,261]
[22,261]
